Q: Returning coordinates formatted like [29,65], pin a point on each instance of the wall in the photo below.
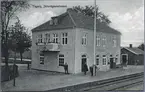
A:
[132,57]
[140,58]
[53,65]
[88,49]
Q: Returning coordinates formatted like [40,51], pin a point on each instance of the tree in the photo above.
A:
[89,11]
[23,40]
[9,9]
[141,46]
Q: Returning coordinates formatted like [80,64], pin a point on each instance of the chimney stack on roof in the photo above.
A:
[130,45]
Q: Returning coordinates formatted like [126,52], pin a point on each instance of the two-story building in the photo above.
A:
[69,38]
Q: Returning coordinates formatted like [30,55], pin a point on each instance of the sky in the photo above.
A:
[127,16]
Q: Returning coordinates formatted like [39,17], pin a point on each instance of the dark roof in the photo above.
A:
[135,50]
[71,19]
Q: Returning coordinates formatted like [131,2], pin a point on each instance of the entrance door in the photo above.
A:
[124,59]
[111,63]
[84,60]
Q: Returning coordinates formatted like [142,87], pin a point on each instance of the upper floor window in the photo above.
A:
[64,38]
[97,60]
[51,22]
[55,21]
[47,38]
[114,41]
[40,39]
[98,41]
[104,60]
[61,60]
[55,38]
[104,41]
[84,39]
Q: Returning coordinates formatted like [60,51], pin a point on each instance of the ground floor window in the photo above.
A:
[41,58]
[61,60]
[116,59]
[97,60]
[104,60]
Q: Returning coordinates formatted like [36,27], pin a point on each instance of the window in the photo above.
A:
[104,60]
[97,60]
[98,41]
[51,22]
[114,41]
[64,38]
[104,41]
[116,59]
[40,38]
[41,58]
[55,38]
[47,38]
[84,39]
[55,21]
[61,60]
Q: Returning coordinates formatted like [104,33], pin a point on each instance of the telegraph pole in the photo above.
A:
[14,69]
[14,62]
[94,70]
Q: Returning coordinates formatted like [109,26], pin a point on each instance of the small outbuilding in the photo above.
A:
[132,55]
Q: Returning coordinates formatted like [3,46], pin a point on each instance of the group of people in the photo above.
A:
[85,69]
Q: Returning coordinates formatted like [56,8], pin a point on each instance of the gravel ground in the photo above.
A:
[138,87]
[33,80]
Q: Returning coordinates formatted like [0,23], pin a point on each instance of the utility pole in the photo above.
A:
[14,63]
[14,69]
[94,69]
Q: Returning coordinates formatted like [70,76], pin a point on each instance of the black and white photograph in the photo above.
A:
[72,45]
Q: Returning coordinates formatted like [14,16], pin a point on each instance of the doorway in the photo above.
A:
[124,59]
[111,63]
[84,60]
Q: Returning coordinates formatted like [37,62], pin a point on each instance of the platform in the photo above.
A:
[33,80]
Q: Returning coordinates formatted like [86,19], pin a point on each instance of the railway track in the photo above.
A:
[116,84]
[107,84]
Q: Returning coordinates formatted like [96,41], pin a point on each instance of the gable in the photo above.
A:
[63,22]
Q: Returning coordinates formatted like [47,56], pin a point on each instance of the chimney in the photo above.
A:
[130,45]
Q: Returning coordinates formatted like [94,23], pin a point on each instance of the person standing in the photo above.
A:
[66,68]
[85,68]
[91,70]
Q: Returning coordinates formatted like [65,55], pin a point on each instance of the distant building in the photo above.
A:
[132,55]
[69,38]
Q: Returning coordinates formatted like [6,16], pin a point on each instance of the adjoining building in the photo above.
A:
[69,38]
[132,55]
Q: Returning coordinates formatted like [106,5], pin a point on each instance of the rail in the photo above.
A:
[96,84]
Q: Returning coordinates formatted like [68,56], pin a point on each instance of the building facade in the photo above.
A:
[132,55]
[69,38]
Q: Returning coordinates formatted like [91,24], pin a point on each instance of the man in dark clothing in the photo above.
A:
[85,68]
[91,70]
[66,68]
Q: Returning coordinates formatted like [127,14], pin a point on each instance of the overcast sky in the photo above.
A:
[127,16]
